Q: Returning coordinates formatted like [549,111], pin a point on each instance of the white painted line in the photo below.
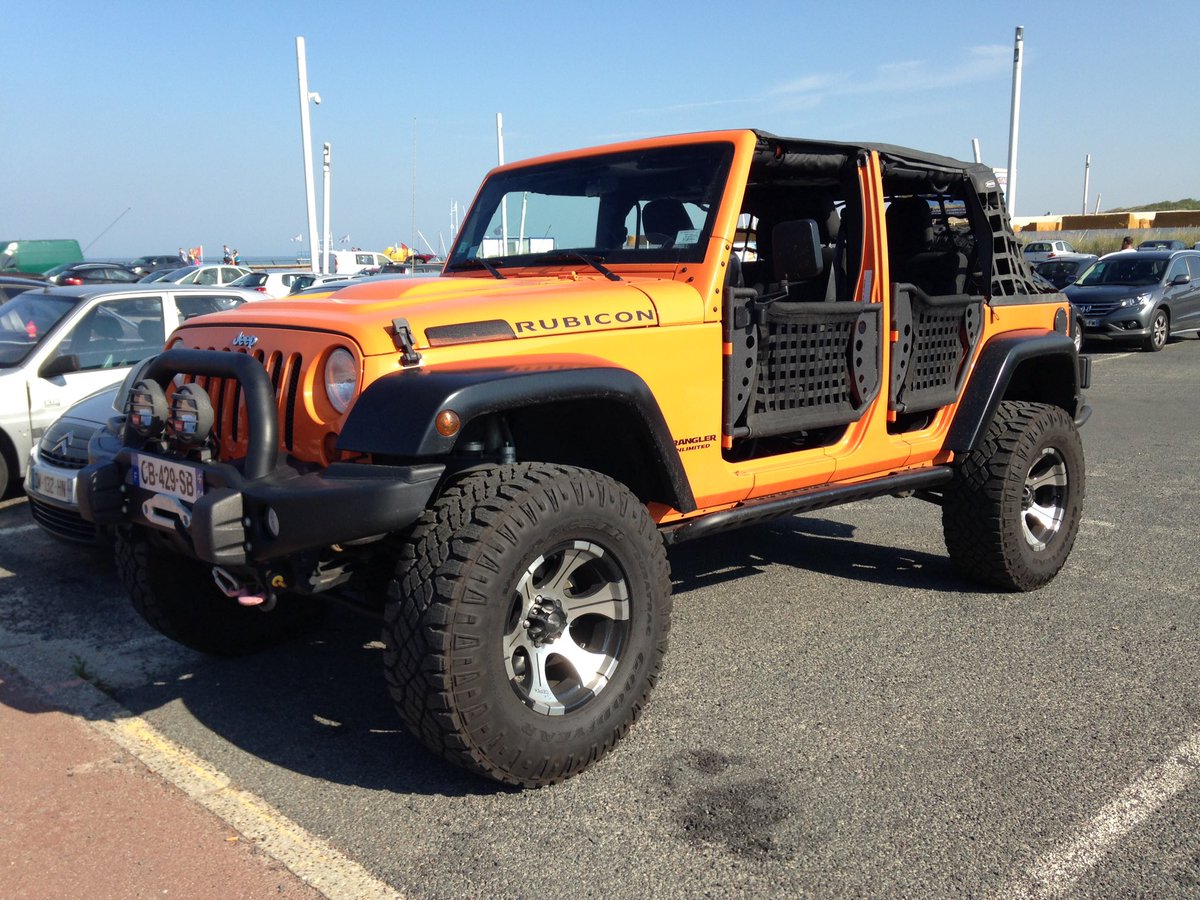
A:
[1056,873]
[311,859]
[18,529]
[1099,359]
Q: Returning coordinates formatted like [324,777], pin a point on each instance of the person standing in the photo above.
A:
[1127,243]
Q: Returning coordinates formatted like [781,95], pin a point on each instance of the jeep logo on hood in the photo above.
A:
[244,340]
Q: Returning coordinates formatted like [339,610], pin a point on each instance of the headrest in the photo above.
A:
[909,225]
[665,217]
[106,327]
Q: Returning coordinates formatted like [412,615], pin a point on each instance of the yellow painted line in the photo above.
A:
[310,858]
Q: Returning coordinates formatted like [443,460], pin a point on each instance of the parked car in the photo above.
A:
[322,280]
[351,262]
[61,343]
[11,285]
[1063,270]
[205,275]
[57,458]
[276,284]
[1036,251]
[91,273]
[1145,296]
[1160,244]
[144,265]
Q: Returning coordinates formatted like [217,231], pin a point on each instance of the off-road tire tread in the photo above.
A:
[177,597]
[436,556]
[982,545]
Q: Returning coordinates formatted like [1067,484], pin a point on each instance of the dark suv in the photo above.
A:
[1145,296]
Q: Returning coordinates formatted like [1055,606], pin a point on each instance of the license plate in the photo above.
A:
[165,477]
[50,484]
[1092,323]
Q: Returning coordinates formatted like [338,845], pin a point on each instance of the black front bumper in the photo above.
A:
[259,510]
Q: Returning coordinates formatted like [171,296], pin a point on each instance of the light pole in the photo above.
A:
[325,234]
[1015,122]
[306,140]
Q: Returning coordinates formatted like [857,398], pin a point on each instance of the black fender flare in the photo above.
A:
[396,414]
[993,376]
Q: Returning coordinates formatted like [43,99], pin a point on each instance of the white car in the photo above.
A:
[1037,251]
[276,284]
[60,344]
[205,275]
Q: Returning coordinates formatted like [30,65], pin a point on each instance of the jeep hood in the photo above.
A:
[531,307]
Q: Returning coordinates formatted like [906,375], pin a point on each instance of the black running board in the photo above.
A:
[775,506]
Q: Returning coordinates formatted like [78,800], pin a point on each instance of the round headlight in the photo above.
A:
[146,408]
[191,417]
[341,378]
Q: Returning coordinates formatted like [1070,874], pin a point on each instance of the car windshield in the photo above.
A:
[1037,248]
[648,205]
[1124,270]
[254,279]
[25,320]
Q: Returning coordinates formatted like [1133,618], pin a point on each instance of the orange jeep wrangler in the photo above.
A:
[629,346]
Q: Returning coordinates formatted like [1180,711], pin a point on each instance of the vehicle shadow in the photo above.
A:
[318,706]
[817,545]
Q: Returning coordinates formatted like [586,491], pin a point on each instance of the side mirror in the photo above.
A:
[796,246]
[63,364]
[1181,278]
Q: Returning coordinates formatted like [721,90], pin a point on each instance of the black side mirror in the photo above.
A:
[1181,278]
[63,364]
[796,247]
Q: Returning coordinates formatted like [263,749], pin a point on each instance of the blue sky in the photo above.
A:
[187,114]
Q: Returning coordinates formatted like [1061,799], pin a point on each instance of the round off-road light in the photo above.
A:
[447,423]
[341,378]
[191,419]
[146,408]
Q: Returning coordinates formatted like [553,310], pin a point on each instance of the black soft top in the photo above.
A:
[895,158]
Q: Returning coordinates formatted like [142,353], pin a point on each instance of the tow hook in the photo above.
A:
[231,587]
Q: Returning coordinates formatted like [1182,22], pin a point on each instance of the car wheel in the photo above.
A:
[4,485]
[1160,330]
[1012,512]
[178,597]
[1078,337]
[527,621]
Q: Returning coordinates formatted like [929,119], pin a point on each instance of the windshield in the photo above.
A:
[1123,269]
[651,205]
[25,320]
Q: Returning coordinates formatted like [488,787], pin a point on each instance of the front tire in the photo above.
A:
[527,621]
[1011,515]
[1160,330]
[177,596]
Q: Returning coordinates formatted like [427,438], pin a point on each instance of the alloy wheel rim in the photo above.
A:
[567,627]
[1044,498]
[1160,330]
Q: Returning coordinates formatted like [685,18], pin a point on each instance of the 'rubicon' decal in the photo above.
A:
[563,323]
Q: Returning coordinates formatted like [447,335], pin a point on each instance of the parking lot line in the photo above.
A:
[1054,874]
[310,858]
[18,529]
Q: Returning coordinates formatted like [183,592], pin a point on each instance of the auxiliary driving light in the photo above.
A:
[146,408]
[191,418]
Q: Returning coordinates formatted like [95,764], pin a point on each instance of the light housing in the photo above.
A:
[191,417]
[146,408]
[341,378]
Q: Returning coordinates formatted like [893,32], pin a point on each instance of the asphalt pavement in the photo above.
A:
[840,715]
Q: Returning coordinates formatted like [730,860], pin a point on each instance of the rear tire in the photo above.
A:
[527,621]
[1011,515]
[177,596]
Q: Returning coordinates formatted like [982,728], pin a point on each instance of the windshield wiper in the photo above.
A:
[477,262]
[592,261]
